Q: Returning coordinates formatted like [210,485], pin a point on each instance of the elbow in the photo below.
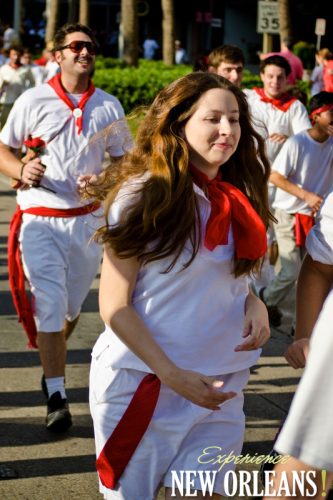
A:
[113,317]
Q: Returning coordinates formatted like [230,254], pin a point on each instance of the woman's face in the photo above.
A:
[212,133]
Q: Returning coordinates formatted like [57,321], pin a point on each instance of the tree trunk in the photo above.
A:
[72,16]
[284,19]
[168,32]
[129,31]
[52,15]
[84,12]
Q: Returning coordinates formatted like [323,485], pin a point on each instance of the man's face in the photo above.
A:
[26,58]
[14,57]
[275,81]
[78,62]
[231,71]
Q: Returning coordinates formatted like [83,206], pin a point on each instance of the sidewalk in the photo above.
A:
[62,468]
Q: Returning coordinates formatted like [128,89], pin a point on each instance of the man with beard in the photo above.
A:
[59,122]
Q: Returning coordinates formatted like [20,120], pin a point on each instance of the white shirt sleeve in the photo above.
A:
[286,160]
[319,242]
[299,117]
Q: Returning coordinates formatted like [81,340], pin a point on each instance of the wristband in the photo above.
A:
[21,173]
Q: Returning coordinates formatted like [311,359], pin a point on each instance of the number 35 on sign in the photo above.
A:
[268,18]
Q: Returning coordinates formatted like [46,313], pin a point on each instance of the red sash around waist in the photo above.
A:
[15,270]
[124,440]
[303,224]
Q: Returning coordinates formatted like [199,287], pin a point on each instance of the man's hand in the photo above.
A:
[33,172]
[297,353]
[279,138]
[314,201]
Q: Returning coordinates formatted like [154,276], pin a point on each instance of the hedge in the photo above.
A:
[138,86]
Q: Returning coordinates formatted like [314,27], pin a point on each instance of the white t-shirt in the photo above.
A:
[13,82]
[307,433]
[268,120]
[306,163]
[195,314]
[319,242]
[39,112]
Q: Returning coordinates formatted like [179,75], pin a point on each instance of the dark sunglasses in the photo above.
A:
[77,46]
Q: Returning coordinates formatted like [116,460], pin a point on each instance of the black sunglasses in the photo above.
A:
[77,45]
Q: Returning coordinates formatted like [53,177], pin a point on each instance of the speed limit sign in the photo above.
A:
[268,18]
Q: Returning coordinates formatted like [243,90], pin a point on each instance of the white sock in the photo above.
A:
[56,384]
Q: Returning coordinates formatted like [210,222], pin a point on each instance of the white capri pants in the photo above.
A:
[60,263]
[176,436]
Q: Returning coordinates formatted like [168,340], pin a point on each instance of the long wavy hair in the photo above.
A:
[164,215]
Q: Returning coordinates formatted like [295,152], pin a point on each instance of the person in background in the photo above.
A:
[303,175]
[295,62]
[150,48]
[306,436]
[180,53]
[317,81]
[14,80]
[51,67]
[227,61]
[36,70]
[10,37]
[277,115]
[49,241]
[328,72]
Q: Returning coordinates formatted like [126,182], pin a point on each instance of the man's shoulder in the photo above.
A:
[107,101]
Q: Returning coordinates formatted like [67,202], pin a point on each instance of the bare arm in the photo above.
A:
[118,279]
[312,199]
[314,283]
[11,166]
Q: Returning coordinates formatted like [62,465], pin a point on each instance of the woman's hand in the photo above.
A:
[256,325]
[200,389]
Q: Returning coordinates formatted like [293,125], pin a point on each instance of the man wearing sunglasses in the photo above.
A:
[62,123]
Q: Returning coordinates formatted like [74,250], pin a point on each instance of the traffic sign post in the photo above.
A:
[320,30]
[268,18]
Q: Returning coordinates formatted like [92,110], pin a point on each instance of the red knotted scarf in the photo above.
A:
[56,84]
[230,206]
[15,270]
[282,103]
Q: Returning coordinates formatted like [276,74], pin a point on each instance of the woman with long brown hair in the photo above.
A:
[187,213]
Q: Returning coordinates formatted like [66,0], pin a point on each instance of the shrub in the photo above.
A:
[135,86]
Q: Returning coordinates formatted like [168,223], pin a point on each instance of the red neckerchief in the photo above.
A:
[303,224]
[282,103]
[230,206]
[22,304]
[56,84]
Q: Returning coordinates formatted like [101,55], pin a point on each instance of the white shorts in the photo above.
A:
[60,264]
[176,436]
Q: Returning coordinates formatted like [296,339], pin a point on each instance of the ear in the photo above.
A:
[58,56]
[211,69]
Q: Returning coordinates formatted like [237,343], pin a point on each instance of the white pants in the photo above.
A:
[60,264]
[176,437]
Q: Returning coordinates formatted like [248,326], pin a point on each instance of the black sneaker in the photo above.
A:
[44,387]
[274,313]
[58,418]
